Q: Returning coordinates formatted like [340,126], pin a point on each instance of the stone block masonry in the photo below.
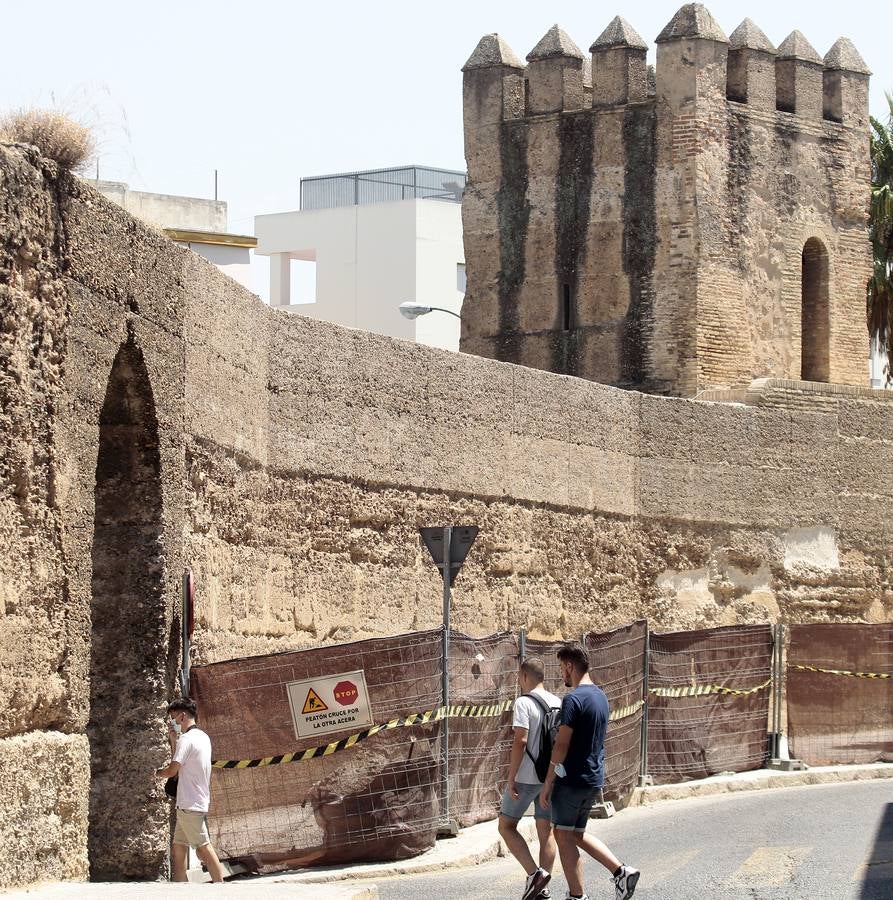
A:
[689,234]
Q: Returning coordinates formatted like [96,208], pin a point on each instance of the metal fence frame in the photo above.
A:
[478,688]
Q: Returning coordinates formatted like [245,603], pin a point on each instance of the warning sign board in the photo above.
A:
[333,703]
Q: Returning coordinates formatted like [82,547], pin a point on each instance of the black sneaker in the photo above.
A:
[625,882]
[536,881]
[544,894]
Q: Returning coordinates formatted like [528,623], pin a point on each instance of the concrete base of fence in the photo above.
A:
[758,780]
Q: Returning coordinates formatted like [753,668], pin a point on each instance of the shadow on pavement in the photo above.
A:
[877,883]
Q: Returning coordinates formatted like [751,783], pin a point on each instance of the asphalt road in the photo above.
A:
[826,841]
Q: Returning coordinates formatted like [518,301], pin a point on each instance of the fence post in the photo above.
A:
[776,691]
[643,740]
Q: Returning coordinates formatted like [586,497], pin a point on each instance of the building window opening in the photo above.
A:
[566,308]
[815,320]
[302,287]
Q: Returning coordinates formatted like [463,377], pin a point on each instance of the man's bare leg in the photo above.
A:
[508,831]
[179,853]
[548,847]
[208,855]
[571,862]
[598,850]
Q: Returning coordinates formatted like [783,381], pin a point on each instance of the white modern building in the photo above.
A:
[362,243]
[193,222]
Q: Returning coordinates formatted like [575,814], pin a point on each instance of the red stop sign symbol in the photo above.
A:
[346,693]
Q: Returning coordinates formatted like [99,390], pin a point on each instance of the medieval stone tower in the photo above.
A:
[674,230]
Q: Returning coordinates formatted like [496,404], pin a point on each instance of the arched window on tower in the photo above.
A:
[815,318]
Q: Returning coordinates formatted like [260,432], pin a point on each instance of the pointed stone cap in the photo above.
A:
[618,34]
[748,36]
[795,46]
[555,42]
[844,55]
[692,21]
[492,50]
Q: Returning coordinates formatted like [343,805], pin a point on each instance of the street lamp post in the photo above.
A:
[412,310]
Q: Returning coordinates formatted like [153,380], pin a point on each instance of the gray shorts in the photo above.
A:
[527,794]
[571,806]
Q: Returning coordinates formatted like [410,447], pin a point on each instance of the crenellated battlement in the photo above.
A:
[603,191]
[746,68]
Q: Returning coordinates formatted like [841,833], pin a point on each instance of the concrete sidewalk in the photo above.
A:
[253,889]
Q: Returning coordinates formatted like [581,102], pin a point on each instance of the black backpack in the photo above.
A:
[548,732]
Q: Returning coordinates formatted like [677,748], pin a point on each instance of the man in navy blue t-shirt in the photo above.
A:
[577,774]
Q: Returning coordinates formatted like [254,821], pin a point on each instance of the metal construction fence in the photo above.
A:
[708,701]
[683,705]
[840,693]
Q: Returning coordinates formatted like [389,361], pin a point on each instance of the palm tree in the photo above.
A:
[880,285]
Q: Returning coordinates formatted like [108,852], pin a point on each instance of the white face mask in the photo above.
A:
[174,725]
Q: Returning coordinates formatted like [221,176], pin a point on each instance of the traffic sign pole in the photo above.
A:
[445,684]
[448,547]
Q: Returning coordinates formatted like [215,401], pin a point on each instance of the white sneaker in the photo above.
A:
[570,896]
[625,882]
[536,881]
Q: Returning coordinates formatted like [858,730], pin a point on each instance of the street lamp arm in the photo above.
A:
[441,309]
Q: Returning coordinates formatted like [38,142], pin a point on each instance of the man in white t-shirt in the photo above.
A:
[191,763]
[524,786]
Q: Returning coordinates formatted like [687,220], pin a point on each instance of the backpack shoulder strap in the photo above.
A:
[539,702]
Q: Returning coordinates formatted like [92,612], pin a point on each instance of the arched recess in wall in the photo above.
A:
[128,655]
[815,313]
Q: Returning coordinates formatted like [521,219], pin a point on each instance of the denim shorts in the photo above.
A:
[571,806]
[527,794]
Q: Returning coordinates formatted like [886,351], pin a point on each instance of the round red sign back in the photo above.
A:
[346,693]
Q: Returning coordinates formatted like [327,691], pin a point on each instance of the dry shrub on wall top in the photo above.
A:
[56,135]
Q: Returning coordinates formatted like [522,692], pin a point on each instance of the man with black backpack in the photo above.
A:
[534,723]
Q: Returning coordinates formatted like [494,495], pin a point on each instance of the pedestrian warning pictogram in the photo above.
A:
[313,703]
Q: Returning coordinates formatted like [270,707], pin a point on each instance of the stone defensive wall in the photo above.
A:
[154,415]
[675,229]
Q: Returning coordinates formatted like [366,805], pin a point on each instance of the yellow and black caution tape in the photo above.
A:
[623,711]
[843,672]
[700,690]
[432,715]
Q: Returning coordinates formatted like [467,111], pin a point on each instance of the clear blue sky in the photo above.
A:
[266,92]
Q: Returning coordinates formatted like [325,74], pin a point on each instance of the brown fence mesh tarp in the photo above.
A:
[836,719]
[695,727]
[376,801]
[617,663]
[483,671]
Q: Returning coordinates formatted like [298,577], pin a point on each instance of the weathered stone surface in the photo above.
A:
[692,21]
[844,55]
[748,36]
[796,46]
[619,33]
[492,50]
[44,781]
[555,42]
